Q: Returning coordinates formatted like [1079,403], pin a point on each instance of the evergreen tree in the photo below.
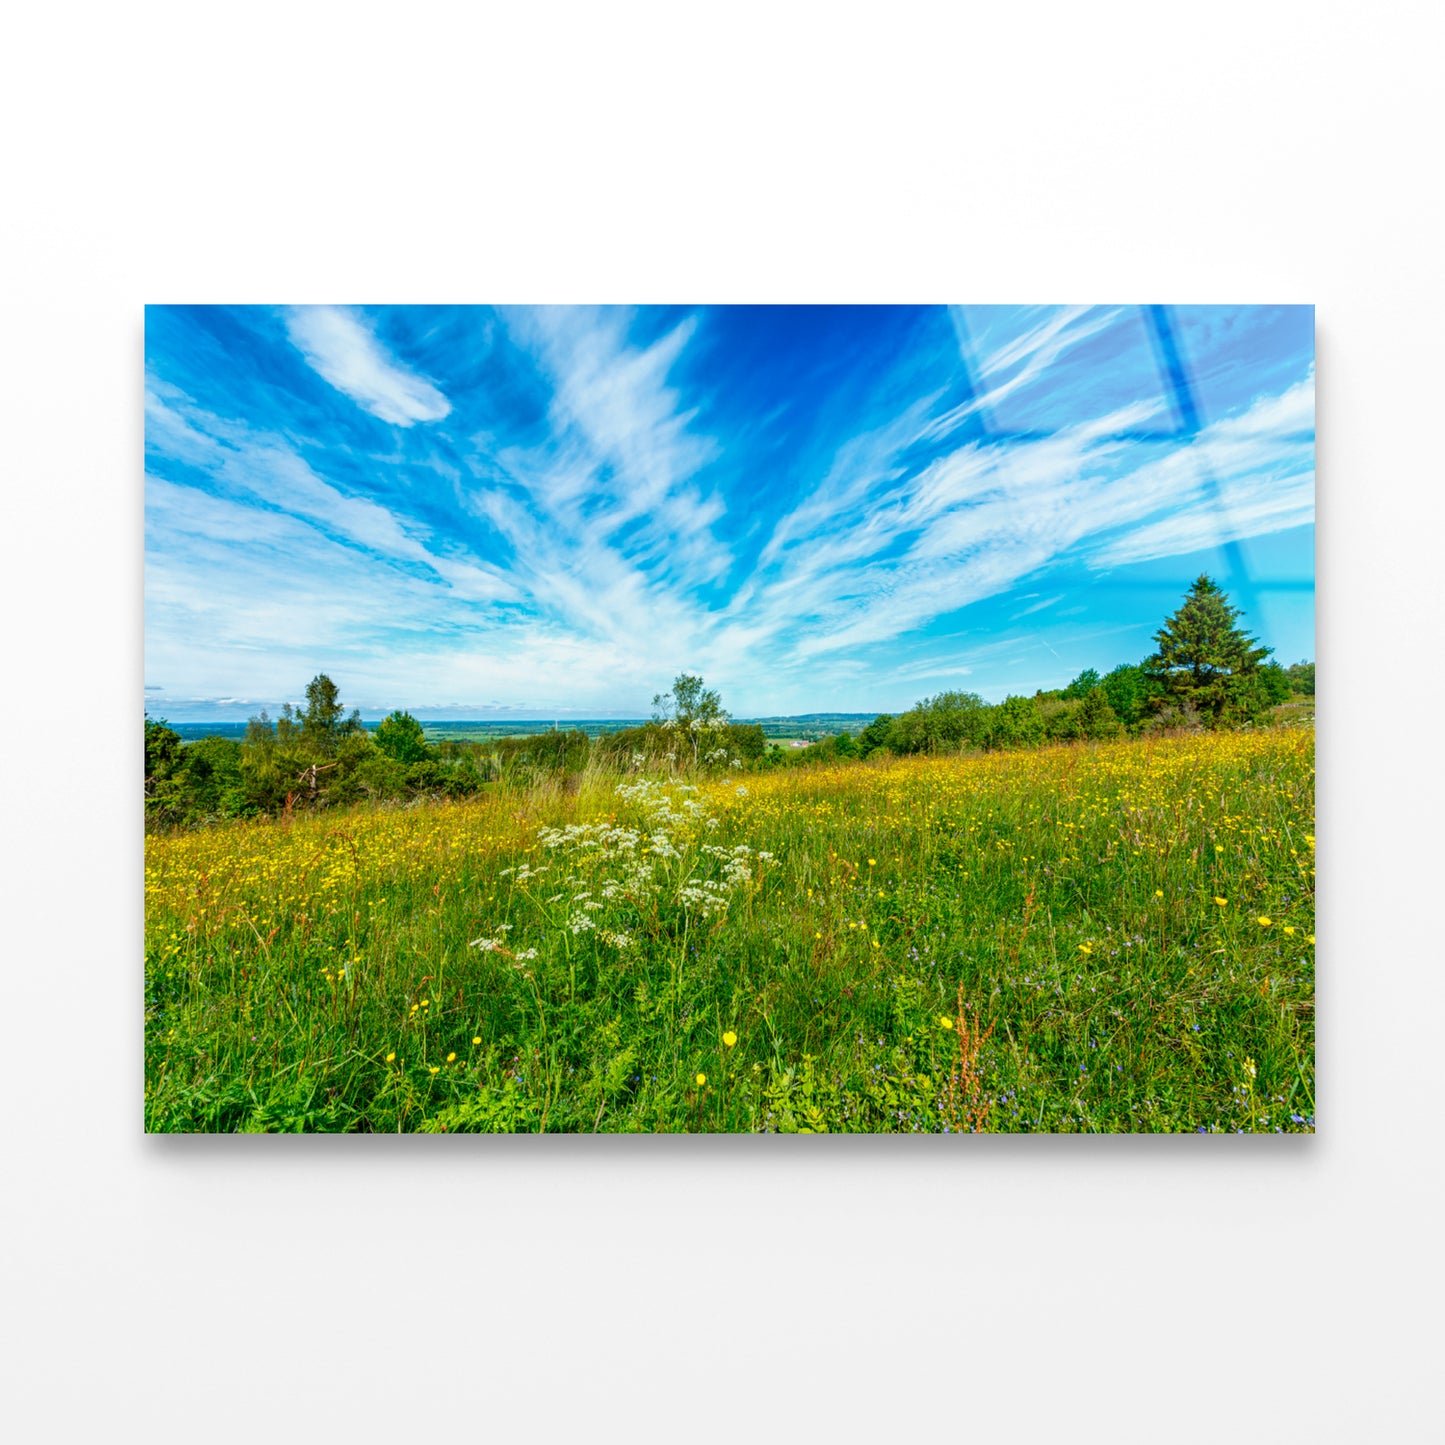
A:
[1208,663]
[400,736]
[1097,719]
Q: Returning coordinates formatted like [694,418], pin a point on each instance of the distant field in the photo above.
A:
[1111,937]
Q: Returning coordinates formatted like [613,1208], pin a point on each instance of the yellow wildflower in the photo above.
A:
[729,1039]
[944,1021]
[1263,920]
[701,1080]
[1221,901]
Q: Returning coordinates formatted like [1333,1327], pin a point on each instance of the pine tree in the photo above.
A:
[1208,663]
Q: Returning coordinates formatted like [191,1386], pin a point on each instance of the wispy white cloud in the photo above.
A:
[268,469]
[1038,606]
[592,555]
[340,346]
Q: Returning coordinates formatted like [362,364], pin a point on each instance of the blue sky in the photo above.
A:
[551,511]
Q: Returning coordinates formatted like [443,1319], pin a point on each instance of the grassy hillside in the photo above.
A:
[1091,937]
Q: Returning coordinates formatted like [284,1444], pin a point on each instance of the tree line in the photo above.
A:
[318,756]
[1205,673]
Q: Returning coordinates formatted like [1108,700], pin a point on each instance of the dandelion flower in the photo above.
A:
[701,1080]
[476,1038]
[1263,920]
[451,1058]
[729,1039]
[944,1021]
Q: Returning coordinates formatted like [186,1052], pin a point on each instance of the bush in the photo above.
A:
[1017,722]
[944,723]
[400,736]
[875,735]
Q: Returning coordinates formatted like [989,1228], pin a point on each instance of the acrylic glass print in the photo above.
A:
[737,719]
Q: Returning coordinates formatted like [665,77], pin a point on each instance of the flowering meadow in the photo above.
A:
[1097,937]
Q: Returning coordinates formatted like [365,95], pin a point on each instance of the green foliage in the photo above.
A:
[1206,663]
[1097,718]
[163,749]
[1082,685]
[1274,683]
[1017,722]
[1301,678]
[694,710]
[192,783]
[875,735]
[520,759]
[323,725]
[943,723]
[399,735]
[689,703]
[1130,691]
[745,740]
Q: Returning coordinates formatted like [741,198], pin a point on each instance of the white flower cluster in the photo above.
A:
[611,863]
[523,873]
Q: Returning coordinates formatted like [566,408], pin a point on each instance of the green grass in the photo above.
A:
[1024,941]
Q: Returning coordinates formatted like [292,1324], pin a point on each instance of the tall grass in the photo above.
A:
[1093,937]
